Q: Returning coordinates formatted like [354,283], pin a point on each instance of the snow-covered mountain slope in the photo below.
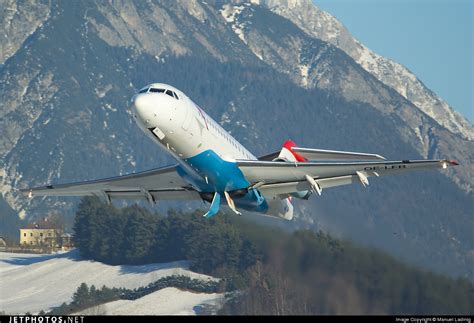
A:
[30,283]
[322,25]
[166,301]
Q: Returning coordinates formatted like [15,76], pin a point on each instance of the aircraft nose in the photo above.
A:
[142,107]
[153,109]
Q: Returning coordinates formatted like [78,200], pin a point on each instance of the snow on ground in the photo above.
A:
[39,282]
[166,301]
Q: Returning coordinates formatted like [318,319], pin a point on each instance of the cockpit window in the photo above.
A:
[157,90]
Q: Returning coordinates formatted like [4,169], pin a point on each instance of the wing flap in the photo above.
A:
[176,194]
[291,187]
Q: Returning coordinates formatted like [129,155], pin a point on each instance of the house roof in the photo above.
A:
[40,225]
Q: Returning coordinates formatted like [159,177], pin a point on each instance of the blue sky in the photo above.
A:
[433,38]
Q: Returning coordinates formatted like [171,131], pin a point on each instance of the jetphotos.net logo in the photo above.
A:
[45,319]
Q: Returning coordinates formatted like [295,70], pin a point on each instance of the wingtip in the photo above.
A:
[445,163]
[27,191]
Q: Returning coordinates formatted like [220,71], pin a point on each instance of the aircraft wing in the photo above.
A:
[156,184]
[281,178]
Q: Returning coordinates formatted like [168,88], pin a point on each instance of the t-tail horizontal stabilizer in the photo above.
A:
[216,202]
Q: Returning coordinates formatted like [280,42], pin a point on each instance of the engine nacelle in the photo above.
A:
[303,195]
[281,208]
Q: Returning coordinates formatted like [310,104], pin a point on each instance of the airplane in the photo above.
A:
[214,167]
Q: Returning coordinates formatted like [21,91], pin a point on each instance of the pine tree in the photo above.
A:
[139,234]
[93,294]
[81,297]
[109,234]
[82,224]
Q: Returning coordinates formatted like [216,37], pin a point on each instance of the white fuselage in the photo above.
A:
[182,126]
[205,150]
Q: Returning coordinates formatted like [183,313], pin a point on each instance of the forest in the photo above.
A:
[274,272]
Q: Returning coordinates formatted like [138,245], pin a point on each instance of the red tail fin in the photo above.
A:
[287,150]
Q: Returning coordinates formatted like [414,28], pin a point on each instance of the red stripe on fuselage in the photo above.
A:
[202,115]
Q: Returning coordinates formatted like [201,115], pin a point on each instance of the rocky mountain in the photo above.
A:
[296,58]
[71,69]
[19,20]
[322,25]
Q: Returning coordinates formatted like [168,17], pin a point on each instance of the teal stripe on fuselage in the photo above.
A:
[221,175]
